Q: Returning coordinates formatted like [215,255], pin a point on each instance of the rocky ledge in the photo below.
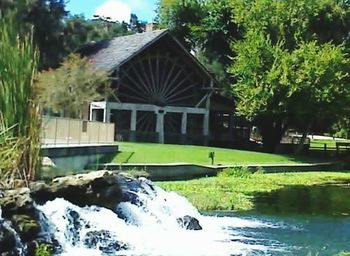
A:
[21,228]
[20,220]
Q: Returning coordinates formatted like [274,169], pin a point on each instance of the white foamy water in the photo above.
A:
[149,228]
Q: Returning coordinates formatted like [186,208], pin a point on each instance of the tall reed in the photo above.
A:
[19,114]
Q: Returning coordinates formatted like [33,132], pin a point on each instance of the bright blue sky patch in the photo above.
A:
[115,9]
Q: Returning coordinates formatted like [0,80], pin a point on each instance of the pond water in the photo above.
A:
[297,235]
[312,220]
[150,227]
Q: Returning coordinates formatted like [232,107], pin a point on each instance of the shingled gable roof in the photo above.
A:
[108,55]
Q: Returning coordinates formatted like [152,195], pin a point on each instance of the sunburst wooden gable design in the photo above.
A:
[161,92]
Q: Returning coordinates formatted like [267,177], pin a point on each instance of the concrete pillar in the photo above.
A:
[206,127]
[91,113]
[106,114]
[133,121]
[184,123]
[206,116]
[232,124]
[184,128]
[160,125]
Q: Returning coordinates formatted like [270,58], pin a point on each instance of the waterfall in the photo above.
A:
[146,225]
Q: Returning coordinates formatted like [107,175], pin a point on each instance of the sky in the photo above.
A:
[118,10]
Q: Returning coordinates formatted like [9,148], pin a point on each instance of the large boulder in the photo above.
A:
[17,201]
[189,223]
[26,226]
[99,188]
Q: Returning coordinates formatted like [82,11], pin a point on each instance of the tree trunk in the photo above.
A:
[272,131]
[300,146]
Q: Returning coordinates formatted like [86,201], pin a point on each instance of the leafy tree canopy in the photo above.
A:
[72,86]
[288,74]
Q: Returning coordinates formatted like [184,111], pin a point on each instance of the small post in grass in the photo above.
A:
[212,157]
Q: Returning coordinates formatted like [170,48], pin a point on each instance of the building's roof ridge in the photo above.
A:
[110,54]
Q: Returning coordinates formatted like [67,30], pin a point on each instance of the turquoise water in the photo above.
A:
[297,235]
[303,220]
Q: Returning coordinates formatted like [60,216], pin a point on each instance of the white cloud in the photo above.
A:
[117,10]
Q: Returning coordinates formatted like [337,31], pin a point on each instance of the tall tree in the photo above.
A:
[47,18]
[180,17]
[56,33]
[287,74]
[72,87]
[205,27]
[79,31]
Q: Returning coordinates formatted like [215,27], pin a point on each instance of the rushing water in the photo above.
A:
[149,227]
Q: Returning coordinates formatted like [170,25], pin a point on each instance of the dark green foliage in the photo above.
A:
[79,31]
[56,33]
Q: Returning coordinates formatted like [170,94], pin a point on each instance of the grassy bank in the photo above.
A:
[235,190]
[159,153]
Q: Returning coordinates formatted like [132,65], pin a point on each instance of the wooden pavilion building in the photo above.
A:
[162,93]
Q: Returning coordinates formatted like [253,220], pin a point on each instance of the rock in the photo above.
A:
[7,239]
[26,226]
[103,240]
[189,223]
[48,162]
[17,201]
[131,187]
[99,188]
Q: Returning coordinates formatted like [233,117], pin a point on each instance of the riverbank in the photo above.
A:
[236,190]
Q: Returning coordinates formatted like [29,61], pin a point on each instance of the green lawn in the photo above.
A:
[158,153]
[320,143]
[235,191]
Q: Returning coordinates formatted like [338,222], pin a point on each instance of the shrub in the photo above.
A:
[43,250]
[238,172]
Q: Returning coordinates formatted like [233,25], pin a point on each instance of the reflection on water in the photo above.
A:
[325,200]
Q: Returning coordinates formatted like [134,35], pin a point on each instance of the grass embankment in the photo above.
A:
[235,189]
[165,153]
